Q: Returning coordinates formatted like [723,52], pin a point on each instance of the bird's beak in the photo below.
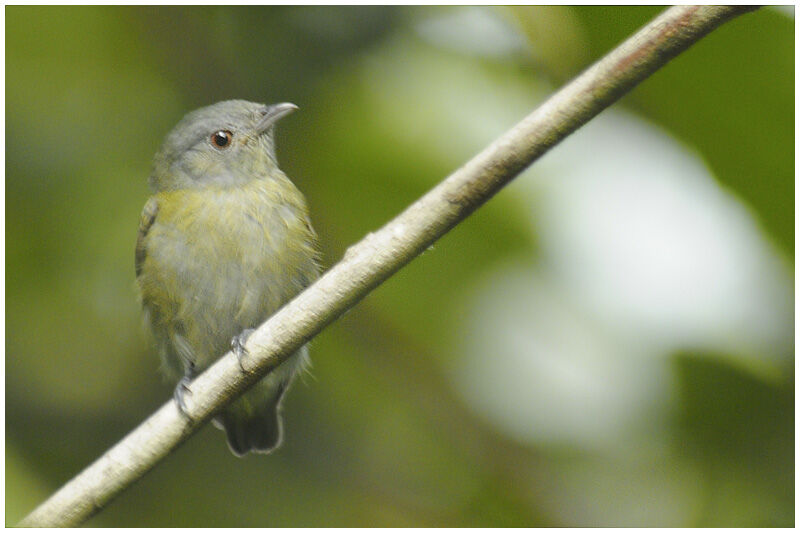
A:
[272,114]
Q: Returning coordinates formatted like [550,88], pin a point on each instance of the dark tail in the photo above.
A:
[253,422]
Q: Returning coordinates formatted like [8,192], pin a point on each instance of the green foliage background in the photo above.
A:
[378,434]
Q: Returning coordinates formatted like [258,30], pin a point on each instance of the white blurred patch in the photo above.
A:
[472,30]
[636,230]
[542,373]
[450,116]
[643,254]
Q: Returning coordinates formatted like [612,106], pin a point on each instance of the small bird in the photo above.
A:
[224,241]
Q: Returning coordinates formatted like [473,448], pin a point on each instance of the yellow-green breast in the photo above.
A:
[217,261]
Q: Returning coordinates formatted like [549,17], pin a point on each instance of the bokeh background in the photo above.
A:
[610,341]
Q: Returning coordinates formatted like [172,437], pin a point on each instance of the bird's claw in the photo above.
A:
[180,390]
[183,387]
[238,348]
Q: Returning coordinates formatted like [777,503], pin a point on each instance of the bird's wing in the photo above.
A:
[145,223]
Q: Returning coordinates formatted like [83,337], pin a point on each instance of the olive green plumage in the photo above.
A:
[224,242]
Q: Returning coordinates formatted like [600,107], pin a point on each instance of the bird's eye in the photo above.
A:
[221,138]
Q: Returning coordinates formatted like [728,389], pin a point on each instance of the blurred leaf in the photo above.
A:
[736,425]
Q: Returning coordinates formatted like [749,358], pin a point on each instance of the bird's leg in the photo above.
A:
[183,387]
[237,345]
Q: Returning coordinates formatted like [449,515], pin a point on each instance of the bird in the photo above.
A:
[223,242]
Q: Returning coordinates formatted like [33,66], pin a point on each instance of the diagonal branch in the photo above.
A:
[379,255]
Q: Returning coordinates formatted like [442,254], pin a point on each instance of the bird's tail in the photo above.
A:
[253,422]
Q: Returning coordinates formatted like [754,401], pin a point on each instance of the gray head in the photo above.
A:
[225,144]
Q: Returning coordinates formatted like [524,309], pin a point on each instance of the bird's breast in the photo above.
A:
[224,260]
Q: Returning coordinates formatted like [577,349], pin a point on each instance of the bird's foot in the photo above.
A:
[182,388]
[238,348]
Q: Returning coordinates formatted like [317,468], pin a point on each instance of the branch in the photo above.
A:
[379,255]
